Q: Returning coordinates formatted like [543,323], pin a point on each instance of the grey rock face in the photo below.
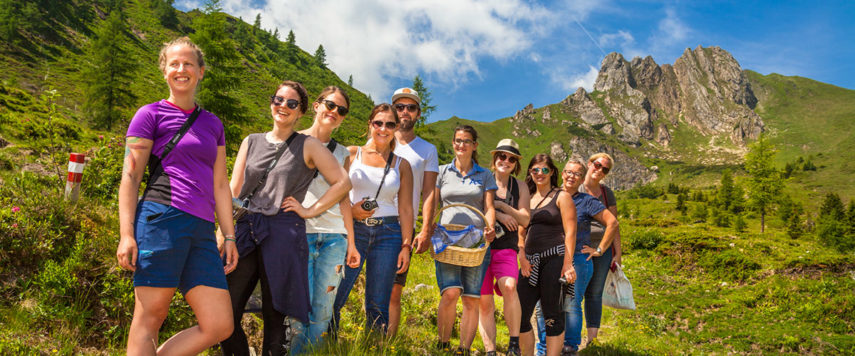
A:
[556,151]
[627,171]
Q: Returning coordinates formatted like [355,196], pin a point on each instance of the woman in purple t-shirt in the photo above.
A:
[167,236]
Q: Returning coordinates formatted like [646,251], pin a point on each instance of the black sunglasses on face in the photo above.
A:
[598,165]
[505,157]
[390,125]
[409,107]
[278,100]
[342,111]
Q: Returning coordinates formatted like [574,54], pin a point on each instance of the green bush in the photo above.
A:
[728,264]
[644,239]
[834,233]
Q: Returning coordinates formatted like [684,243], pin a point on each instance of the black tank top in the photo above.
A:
[512,197]
[546,228]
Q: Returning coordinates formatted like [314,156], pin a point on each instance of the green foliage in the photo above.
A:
[425,98]
[165,12]
[109,73]
[700,213]
[321,57]
[739,224]
[681,203]
[647,239]
[729,264]
[646,191]
[765,182]
[832,207]
[720,217]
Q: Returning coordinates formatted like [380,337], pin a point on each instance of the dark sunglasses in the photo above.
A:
[409,107]
[542,170]
[342,111]
[278,100]
[390,125]
[601,167]
[505,157]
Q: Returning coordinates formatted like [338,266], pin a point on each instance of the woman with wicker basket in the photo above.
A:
[466,191]
[382,217]
[512,212]
[546,258]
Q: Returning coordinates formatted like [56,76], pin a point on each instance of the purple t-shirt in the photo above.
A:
[189,169]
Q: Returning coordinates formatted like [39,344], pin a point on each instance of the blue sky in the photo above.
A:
[484,60]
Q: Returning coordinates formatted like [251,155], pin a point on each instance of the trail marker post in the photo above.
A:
[76,162]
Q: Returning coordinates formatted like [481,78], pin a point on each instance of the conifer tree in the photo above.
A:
[850,215]
[739,224]
[321,57]
[256,26]
[350,81]
[110,73]
[165,12]
[425,104]
[222,75]
[765,181]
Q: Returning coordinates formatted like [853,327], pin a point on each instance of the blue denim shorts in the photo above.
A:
[175,249]
[469,279]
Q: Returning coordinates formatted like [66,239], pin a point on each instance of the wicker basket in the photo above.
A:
[461,256]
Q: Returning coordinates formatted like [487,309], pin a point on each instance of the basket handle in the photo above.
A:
[480,214]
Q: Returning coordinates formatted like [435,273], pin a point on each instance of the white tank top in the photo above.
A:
[365,180]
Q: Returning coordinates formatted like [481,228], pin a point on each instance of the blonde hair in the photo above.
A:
[180,41]
[597,156]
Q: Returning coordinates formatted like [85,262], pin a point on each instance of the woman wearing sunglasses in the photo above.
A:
[588,210]
[546,251]
[329,235]
[382,217]
[599,166]
[463,181]
[512,212]
[271,238]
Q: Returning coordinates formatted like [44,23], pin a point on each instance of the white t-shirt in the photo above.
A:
[423,158]
[331,221]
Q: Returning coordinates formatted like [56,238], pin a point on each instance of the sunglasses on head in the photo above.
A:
[409,107]
[542,170]
[506,157]
[332,106]
[390,125]
[604,169]
[277,100]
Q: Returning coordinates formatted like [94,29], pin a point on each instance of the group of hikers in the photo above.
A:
[318,212]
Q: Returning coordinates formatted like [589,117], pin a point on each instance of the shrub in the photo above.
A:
[645,191]
[644,239]
[728,264]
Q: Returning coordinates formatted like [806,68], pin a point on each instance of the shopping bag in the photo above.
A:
[618,291]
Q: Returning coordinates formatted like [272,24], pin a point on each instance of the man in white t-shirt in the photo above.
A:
[423,160]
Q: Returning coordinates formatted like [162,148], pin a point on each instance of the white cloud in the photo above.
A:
[621,38]
[569,82]
[384,40]
[671,28]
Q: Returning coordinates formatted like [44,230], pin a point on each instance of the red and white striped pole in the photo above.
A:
[76,162]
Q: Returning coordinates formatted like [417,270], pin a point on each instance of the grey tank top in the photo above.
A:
[291,177]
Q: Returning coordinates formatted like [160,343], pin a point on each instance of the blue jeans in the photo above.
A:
[594,293]
[326,269]
[541,331]
[379,247]
[573,331]
[468,279]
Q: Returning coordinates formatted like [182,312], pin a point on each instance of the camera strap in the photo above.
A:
[270,167]
[385,172]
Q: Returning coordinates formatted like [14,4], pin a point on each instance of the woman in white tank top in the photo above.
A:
[383,230]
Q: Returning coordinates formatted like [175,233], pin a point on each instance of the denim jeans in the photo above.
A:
[594,293]
[541,331]
[573,331]
[379,247]
[326,269]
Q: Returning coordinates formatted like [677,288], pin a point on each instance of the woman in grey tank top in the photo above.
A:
[271,238]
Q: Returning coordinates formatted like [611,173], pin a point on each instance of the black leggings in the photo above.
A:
[241,284]
[548,291]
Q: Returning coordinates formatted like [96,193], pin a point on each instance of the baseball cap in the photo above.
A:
[406,93]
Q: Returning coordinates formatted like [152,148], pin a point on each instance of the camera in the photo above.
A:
[369,204]
[238,208]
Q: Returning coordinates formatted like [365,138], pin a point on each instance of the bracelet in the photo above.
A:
[231,239]
[409,246]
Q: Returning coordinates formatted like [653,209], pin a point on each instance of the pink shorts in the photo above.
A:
[503,263]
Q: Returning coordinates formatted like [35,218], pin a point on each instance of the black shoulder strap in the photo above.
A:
[156,163]
[514,192]
[330,146]
[270,166]
[385,172]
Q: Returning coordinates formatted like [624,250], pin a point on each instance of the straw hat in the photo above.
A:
[509,146]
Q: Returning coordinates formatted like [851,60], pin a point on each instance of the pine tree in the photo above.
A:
[350,81]
[832,207]
[681,203]
[700,213]
[850,215]
[164,11]
[222,75]
[10,16]
[291,40]
[739,224]
[724,195]
[765,181]
[321,57]
[257,24]
[425,104]
[111,71]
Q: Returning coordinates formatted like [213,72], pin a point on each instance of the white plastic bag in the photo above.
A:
[618,291]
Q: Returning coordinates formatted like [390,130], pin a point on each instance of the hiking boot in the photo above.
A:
[461,352]
[514,350]
[568,351]
[491,353]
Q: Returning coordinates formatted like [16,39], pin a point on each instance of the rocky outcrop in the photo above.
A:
[627,171]
[582,106]
[556,151]
[522,123]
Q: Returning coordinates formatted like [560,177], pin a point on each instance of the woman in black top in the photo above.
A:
[512,212]
[551,232]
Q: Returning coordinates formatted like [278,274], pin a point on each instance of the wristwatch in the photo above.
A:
[599,251]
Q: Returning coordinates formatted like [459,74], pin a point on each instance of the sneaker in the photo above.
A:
[568,351]
[514,350]
[443,346]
